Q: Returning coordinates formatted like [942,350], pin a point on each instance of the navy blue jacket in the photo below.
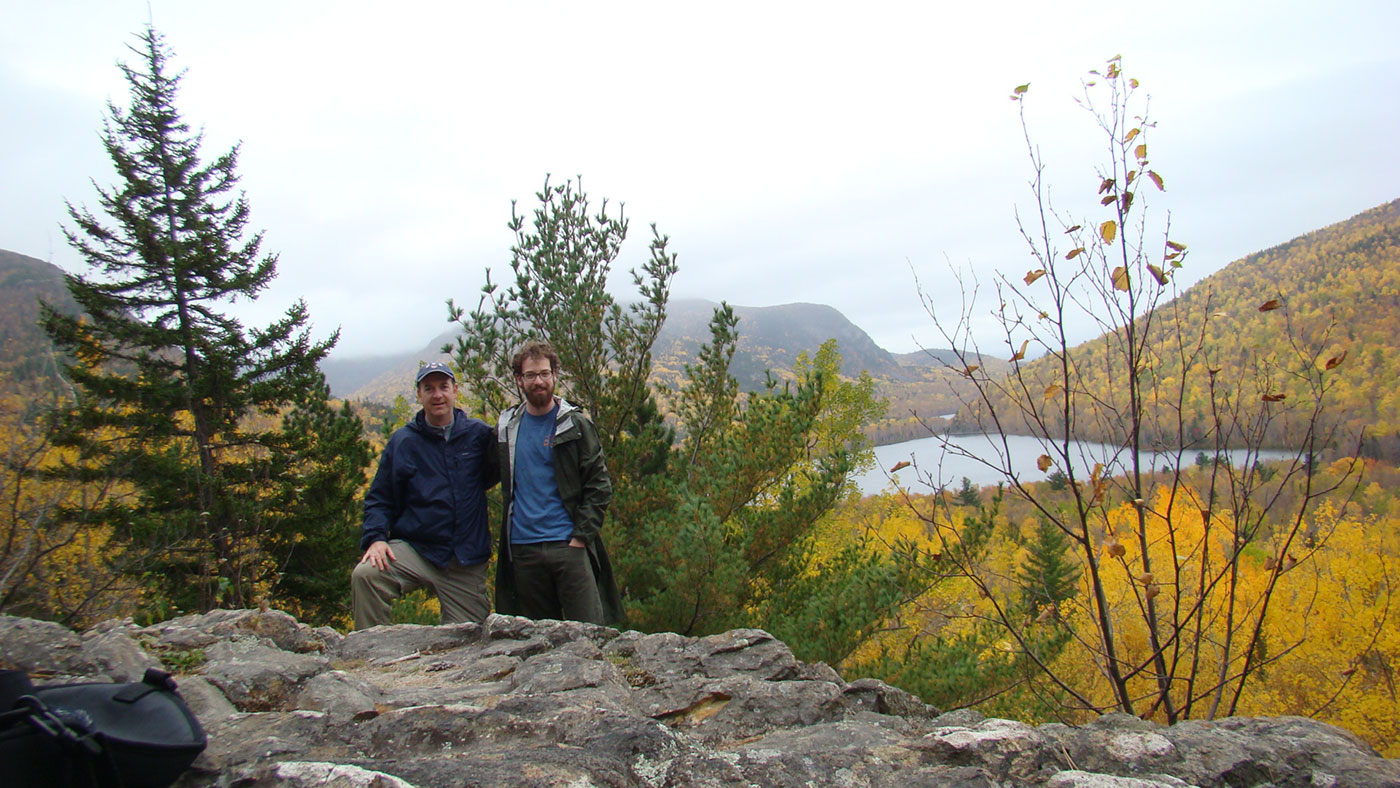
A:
[431,493]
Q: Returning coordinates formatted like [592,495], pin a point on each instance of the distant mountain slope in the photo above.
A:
[378,378]
[920,386]
[770,337]
[927,358]
[382,378]
[1344,278]
[25,350]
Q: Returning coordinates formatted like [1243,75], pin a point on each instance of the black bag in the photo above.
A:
[139,735]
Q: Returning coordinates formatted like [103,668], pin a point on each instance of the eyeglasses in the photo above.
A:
[531,377]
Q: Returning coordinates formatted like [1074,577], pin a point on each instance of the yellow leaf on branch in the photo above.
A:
[1108,231]
[1020,354]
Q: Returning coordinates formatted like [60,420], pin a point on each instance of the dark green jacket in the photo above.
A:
[585,487]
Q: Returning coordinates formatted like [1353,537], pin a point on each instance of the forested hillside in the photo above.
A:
[25,351]
[1340,286]
[1329,297]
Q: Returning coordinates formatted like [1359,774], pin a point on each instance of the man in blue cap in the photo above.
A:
[425,512]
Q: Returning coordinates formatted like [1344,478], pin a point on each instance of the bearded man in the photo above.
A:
[555,493]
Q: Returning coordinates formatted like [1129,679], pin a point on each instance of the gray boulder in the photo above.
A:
[549,703]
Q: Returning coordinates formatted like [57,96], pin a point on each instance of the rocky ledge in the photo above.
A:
[547,703]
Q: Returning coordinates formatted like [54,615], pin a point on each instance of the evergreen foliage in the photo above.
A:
[177,401]
[1048,575]
[317,477]
[716,528]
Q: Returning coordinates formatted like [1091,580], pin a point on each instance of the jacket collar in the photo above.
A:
[420,422]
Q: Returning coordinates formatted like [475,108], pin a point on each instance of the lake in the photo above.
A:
[946,467]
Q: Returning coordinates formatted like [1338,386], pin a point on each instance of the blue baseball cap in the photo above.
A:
[436,366]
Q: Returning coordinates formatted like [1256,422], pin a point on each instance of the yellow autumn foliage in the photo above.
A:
[51,567]
[1329,645]
[1344,613]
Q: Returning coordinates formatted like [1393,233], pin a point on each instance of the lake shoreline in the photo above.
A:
[943,460]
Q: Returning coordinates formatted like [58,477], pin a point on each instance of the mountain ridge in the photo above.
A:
[1349,269]
[770,337]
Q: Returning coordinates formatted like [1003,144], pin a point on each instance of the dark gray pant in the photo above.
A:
[554,580]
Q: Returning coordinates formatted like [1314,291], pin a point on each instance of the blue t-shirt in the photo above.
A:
[537,512]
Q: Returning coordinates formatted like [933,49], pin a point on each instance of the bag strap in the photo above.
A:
[50,724]
[86,762]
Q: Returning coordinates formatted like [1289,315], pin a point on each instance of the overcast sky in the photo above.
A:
[815,152]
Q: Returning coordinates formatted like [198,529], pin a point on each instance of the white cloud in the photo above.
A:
[793,152]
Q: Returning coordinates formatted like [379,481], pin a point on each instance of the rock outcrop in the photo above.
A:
[526,703]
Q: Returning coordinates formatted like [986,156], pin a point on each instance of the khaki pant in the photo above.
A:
[461,590]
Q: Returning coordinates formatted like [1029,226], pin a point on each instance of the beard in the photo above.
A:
[540,397]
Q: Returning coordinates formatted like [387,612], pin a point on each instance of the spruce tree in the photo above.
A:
[220,435]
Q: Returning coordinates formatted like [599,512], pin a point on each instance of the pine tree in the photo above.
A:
[175,399]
